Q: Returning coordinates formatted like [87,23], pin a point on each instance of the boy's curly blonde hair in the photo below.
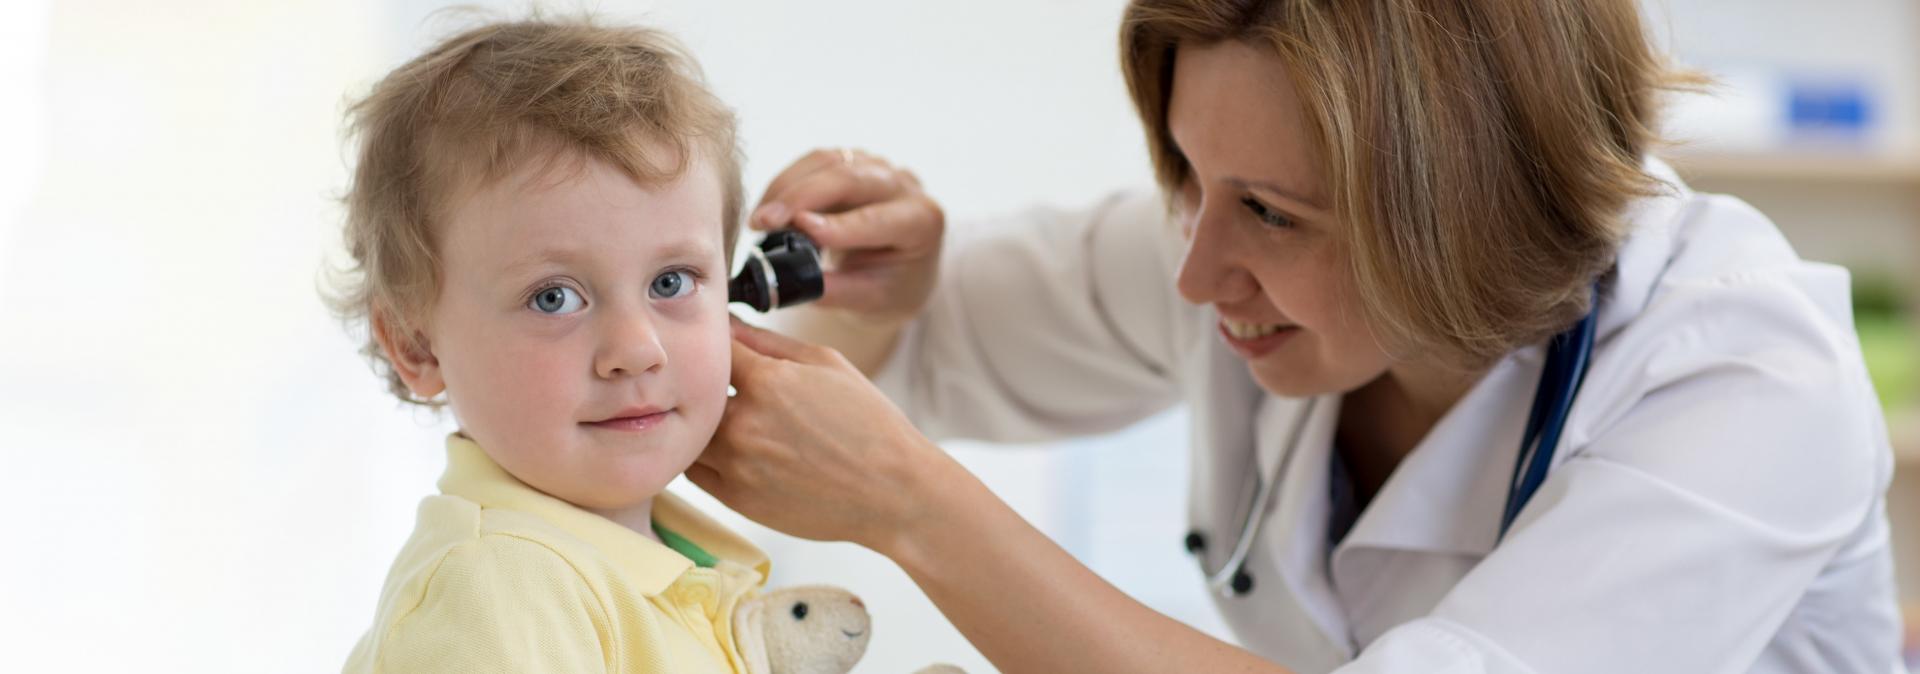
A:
[489,101]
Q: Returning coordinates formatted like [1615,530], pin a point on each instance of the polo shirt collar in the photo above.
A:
[474,476]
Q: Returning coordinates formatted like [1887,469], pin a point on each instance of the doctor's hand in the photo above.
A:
[880,230]
[809,447]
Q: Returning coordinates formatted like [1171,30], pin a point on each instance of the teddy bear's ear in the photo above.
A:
[750,635]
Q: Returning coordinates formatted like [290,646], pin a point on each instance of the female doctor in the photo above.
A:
[1476,384]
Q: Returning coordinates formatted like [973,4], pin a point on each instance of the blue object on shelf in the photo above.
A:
[1830,107]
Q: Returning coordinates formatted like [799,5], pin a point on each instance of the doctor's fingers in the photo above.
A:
[908,225]
[725,452]
[818,160]
[834,187]
[719,473]
[707,479]
[750,442]
[762,350]
[790,372]
[859,289]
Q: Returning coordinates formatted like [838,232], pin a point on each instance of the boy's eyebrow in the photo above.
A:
[686,248]
[541,256]
[673,250]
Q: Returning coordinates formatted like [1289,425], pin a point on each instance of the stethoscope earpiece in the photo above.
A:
[783,271]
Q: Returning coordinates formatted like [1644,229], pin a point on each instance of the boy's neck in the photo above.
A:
[638,517]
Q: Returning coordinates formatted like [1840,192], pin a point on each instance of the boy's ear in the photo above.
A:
[411,357]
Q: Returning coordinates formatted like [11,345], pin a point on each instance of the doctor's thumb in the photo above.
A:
[708,480]
[769,343]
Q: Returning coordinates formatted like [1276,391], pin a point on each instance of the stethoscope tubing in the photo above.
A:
[1223,579]
[1567,358]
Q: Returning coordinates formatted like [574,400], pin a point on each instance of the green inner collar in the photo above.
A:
[686,548]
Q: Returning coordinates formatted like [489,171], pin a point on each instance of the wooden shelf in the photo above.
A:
[1903,430]
[1803,166]
[1910,611]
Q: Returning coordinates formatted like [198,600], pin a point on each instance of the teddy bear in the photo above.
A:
[812,629]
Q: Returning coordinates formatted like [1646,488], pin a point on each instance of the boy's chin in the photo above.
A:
[610,498]
[626,486]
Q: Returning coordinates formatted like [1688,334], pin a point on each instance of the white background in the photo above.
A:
[199,474]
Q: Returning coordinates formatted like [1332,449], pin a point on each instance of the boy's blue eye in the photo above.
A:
[556,300]
[671,284]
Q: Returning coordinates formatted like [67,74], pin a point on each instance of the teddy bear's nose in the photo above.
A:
[857,602]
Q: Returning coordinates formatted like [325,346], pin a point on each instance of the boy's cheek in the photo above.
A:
[523,378]
[704,361]
[710,361]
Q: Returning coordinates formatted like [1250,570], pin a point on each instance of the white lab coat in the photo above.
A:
[1716,504]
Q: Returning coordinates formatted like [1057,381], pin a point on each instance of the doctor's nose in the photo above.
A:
[629,345]
[1210,272]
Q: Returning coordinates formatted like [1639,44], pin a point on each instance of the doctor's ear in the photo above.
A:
[409,354]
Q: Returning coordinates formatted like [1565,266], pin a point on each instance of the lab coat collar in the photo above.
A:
[1644,256]
[1448,494]
[1304,504]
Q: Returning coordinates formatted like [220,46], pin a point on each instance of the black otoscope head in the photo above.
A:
[782,272]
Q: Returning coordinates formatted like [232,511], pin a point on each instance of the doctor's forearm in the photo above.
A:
[1030,607]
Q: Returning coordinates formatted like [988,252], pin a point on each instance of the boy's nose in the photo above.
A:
[631,346]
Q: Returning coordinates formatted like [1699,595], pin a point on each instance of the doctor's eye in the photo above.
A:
[1267,215]
[672,284]
[800,611]
[556,300]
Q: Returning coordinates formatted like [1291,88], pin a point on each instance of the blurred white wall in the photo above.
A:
[206,477]
[23,68]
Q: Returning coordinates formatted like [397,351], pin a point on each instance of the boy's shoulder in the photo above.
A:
[475,576]
[455,526]
[474,581]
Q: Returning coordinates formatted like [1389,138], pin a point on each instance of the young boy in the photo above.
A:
[541,219]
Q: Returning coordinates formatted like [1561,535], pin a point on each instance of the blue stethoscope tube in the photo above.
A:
[1566,368]
[1568,354]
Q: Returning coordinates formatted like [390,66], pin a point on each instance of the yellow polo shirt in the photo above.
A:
[501,577]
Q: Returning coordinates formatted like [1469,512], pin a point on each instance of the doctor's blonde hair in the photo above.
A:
[1480,153]
[482,104]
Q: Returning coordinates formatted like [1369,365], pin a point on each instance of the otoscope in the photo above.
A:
[782,272]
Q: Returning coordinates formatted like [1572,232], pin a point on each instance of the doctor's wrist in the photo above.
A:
[930,509]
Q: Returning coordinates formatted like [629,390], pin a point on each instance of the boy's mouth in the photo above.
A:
[632,419]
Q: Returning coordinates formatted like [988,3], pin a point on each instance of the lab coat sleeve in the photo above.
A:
[1694,516]
[1047,324]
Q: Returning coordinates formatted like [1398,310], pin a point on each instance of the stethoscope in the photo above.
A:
[1566,367]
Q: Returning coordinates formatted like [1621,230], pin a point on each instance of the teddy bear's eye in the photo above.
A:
[800,611]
